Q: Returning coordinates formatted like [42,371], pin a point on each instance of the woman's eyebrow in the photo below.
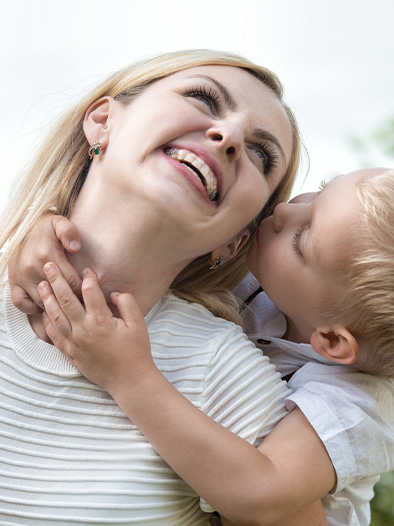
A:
[224,91]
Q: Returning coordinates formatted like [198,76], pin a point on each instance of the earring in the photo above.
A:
[217,263]
[95,149]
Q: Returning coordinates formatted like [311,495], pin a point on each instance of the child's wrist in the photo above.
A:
[129,389]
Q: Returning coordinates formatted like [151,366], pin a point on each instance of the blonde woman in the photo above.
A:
[184,152]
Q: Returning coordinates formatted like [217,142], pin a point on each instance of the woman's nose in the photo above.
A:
[229,137]
[286,213]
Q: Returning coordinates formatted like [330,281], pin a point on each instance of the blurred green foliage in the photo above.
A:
[370,147]
[382,505]
[384,137]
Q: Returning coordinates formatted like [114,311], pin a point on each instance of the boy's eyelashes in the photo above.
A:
[297,240]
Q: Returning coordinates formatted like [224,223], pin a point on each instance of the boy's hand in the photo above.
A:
[47,242]
[109,351]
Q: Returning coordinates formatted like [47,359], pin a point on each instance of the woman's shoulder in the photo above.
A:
[2,291]
[177,311]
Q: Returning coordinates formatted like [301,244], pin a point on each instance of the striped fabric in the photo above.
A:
[69,456]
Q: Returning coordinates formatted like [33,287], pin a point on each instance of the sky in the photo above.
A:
[334,57]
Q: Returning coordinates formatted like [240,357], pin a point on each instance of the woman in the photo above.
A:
[179,144]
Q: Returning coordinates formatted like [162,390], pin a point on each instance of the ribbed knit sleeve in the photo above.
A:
[242,390]
[219,370]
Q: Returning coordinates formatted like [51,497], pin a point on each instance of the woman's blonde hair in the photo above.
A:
[58,173]
[366,304]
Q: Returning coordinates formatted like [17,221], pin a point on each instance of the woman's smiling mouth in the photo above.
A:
[198,167]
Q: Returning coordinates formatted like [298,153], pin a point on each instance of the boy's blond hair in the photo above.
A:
[366,306]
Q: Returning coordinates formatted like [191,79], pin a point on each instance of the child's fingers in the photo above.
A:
[68,302]
[67,233]
[55,315]
[93,297]
[70,275]
[52,333]
[23,301]
[128,308]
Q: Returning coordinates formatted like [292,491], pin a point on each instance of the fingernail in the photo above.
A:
[42,286]
[48,267]
[74,245]
[85,272]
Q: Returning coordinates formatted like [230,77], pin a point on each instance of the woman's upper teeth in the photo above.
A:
[198,167]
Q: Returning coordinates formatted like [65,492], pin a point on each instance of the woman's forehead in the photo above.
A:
[246,91]
[230,73]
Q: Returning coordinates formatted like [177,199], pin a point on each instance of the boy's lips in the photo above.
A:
[198,167]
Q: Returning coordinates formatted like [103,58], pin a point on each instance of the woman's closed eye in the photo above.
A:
[266,155]
[207,95]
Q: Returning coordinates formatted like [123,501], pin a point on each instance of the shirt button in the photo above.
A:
[260,341]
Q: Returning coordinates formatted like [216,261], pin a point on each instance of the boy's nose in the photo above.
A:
[287,213]
[280,214]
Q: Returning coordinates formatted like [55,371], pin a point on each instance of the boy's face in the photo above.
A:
[298,252]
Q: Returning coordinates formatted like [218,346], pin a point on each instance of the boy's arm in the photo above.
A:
[312,515]
[290,470]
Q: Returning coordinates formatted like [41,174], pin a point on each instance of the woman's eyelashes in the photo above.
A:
[207,95]
[267,156]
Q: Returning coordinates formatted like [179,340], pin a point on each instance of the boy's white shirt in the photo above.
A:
[352,412]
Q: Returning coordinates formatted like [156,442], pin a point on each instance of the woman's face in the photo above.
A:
[205,146]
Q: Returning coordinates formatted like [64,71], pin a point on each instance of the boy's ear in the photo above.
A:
[95,123]
[231,249]
[337,345]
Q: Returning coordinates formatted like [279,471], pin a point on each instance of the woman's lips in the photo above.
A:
[198,167]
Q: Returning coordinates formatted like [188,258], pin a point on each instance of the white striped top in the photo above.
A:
[69,455]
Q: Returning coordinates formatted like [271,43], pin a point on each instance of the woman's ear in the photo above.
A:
[95,123]
[337,345]
[231,249]
[238,242]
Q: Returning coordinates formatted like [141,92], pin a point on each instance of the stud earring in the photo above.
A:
[95,149]
[217,263]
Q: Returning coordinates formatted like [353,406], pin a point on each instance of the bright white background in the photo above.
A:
[335,58]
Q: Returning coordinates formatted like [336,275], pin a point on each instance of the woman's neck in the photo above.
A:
[130,251]
[136,260]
